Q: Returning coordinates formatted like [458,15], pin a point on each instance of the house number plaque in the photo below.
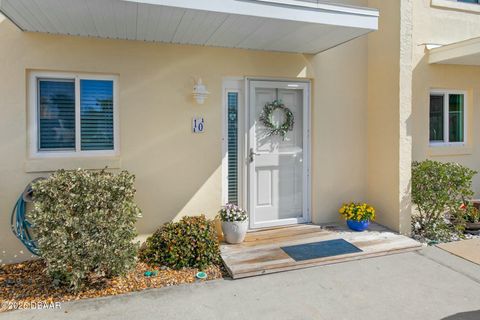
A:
[198,125]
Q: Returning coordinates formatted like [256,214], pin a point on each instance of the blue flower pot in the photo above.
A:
[358,225]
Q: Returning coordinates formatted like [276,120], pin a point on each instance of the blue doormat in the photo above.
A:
[320,249]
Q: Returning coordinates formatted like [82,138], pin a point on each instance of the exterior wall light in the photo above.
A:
[200,92]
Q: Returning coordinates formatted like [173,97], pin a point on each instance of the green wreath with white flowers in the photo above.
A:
[272,128]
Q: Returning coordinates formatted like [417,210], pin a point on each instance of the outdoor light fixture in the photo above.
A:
[200,92]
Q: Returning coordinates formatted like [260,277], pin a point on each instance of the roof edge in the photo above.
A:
[366,18]
[454,50]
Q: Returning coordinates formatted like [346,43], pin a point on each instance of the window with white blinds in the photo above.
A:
[232,146]
[56,114]
[96,114]
[73,114]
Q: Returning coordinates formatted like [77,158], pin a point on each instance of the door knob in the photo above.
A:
[251,155]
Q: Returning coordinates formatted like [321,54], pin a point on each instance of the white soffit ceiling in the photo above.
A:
[463,53]
[302,26]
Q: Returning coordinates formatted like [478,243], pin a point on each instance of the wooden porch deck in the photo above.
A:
[261,252]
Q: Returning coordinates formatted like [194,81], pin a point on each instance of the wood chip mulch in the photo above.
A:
[27,282]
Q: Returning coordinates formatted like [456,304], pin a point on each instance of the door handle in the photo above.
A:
[251,155]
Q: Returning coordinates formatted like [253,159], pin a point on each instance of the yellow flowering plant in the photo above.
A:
[357,211]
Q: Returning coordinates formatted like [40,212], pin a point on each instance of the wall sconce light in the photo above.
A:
[200,92]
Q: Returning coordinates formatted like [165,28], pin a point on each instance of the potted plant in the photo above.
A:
[358,215]
[234,223]
[471,214]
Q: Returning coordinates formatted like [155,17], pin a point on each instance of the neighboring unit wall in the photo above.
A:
[339,118]
[443,25]
[339,126]
[389,109]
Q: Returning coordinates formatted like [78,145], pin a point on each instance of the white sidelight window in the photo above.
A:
[232,145]
[73,115]
[447,117]
[233,142]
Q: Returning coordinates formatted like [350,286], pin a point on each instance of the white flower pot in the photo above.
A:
[234,232]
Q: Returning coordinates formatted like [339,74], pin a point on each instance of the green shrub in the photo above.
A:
[438,191]
[190,243]
[85,224]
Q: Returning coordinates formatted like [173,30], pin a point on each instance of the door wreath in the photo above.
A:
[266,118]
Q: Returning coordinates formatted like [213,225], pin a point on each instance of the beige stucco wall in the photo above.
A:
[443,26]
[389,111]
[340,121]
[383,104]
[179,173]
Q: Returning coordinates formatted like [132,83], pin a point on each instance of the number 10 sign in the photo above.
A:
[198,125]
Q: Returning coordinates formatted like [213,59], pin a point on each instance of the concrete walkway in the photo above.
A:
[429,284]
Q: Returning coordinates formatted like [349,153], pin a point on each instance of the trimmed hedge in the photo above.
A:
[190,243]
[85,224]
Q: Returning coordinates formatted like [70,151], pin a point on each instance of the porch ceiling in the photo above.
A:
[301,26]
[463,53]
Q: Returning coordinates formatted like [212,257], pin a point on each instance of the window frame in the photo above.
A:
[456,5]
[33,109]
[464,1]
[446,124]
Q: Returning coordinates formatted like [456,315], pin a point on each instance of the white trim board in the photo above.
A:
[323,6]
[462,53]
[276,10]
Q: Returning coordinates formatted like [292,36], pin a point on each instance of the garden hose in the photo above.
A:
[19,223]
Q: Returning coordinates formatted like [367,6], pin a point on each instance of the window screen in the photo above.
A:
[96,105]
[455,118]
[56,114]
[436,117]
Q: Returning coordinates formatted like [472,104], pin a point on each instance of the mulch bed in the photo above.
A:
[27,283]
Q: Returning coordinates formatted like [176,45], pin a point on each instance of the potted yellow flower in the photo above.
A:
[358,215]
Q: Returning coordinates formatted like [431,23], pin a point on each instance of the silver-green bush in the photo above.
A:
[438,191]
[84,222]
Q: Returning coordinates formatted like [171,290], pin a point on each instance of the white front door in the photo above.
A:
[278,168]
